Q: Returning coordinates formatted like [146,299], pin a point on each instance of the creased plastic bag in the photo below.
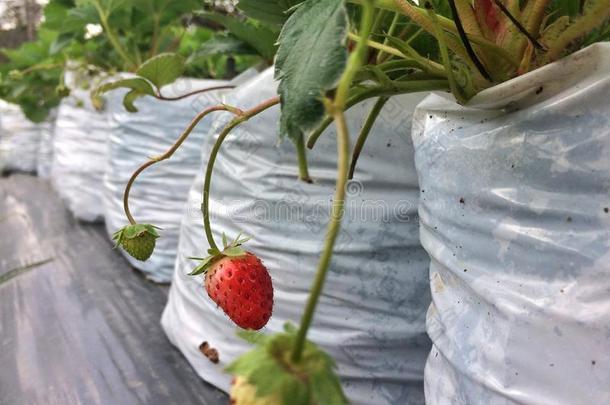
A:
[19,140]
[371,315]
[80,155]
[514,213]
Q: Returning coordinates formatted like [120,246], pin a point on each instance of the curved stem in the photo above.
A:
[186,95]
[364,133]
[337,109]
[241,116]
[377,91]
[164,156]
[155,37]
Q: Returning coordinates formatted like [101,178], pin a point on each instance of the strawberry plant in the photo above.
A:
[332,55]
[335,54]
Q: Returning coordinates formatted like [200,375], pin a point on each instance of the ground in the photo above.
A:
[77,324]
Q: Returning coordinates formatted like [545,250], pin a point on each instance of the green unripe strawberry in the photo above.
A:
[138,240]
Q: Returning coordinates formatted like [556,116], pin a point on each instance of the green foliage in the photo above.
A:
[310,60]
[223,44]
[34,90]
[152,75]
[268,367]
[138,87]
[268,11]
[162,69]
[252,33]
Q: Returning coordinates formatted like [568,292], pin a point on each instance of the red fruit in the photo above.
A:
[242,287]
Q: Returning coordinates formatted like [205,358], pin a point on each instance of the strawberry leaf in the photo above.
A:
[162,69]
[134,83]
[138,85]
[310,60]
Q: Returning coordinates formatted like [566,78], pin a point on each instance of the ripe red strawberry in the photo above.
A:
[242,287]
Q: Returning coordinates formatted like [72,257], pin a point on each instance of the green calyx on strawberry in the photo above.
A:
[268,375]
[137,239]
[238,282]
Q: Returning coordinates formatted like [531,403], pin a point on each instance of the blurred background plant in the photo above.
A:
[98,38]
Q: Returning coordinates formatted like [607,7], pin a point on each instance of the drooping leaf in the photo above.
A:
[309,62]
[162,69]
[134,83]
[138,88]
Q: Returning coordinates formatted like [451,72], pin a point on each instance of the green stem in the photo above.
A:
[337,108]
[380,15]
[155,37]
[381,56]
[241,116]
[377,45]
[112,38]
[376,91]
[364,133]
[302,159]
[164,156]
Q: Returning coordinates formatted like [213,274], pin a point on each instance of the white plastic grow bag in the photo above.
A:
[45,150]
[80,155]
[159,194]
[19,140]
[371,315]
[514,213]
